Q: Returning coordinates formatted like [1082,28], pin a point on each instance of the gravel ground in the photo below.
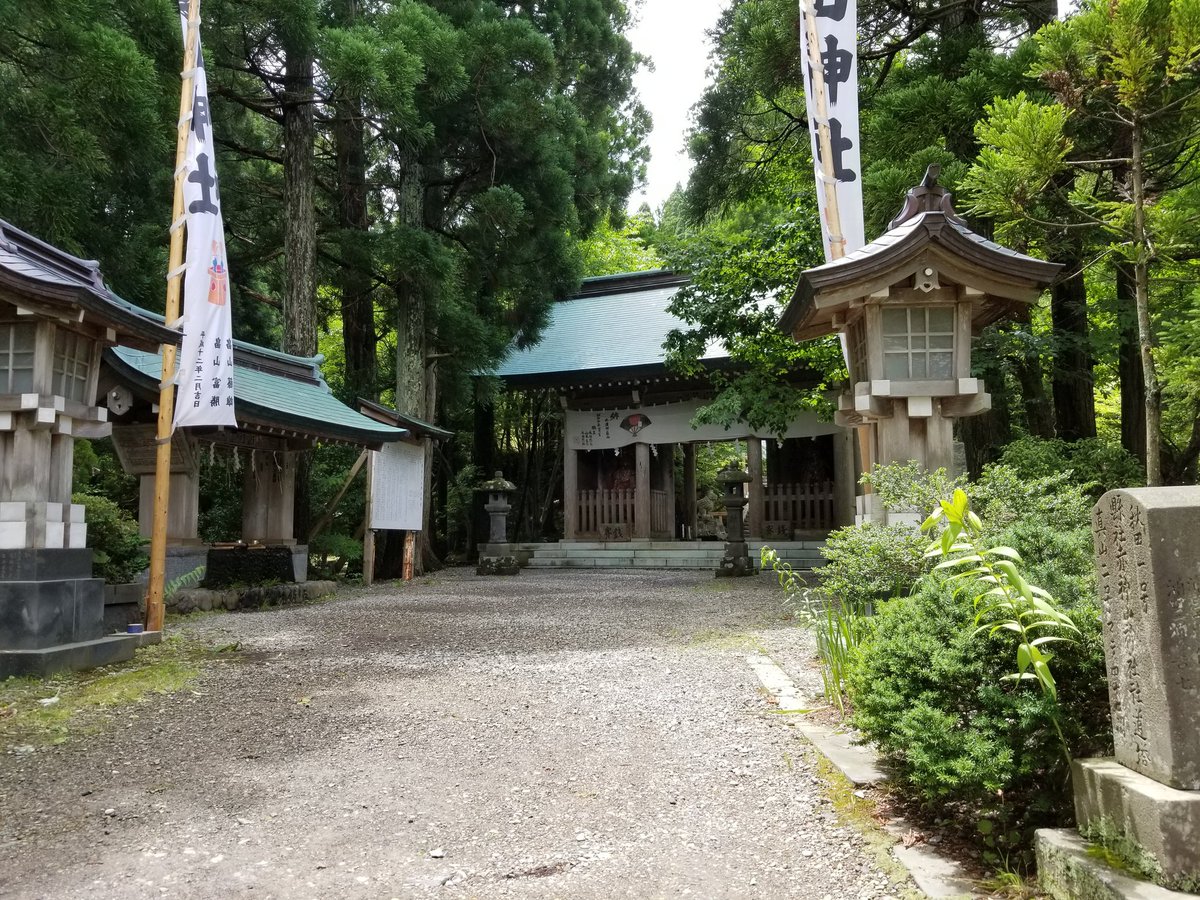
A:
[571,735]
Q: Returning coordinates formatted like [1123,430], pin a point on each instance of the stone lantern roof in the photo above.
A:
[52,284]
[926,243]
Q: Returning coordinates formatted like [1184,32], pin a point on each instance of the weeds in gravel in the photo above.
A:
[50,710]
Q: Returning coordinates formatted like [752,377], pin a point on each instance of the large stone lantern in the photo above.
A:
[56,316]
[907,306]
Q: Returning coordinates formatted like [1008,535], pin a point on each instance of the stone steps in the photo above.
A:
[704,555]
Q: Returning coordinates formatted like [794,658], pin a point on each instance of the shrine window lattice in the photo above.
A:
[16,358]
[918,342]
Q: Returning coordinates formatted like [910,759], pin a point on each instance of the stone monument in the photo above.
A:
[1147,798]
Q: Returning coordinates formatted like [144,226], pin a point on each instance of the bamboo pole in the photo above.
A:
[166,396]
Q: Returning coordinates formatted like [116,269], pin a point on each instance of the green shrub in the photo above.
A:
[929,692]
[910,487]
[118,554]
[1004,496]
[1096,465]
[871,562]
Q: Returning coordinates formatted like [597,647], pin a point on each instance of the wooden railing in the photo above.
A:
[607,507]
[807,506]
[658,512]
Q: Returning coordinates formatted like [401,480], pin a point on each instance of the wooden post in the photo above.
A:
[641,496]
[166,396]
[570,492]
[368,531]
[410,548]
[668,452]
[756,498]
[689,490]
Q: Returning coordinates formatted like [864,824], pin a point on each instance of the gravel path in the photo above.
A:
[577,735]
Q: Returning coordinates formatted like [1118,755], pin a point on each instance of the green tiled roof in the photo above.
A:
[615,322]
[301,405]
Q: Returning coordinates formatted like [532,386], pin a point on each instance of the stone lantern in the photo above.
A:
[736,561]
[56,316]
[497,556]
[907,306]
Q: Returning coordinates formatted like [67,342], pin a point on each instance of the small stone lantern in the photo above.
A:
[497,556]
[736,561]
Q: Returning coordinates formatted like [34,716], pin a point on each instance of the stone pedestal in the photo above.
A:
[1148,797]
[52,614]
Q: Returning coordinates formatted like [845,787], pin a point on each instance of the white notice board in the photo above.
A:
[397,487]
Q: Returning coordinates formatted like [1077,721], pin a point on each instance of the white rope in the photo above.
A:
[177,271]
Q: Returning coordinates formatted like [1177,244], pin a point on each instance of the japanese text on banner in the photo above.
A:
[205,373]
[836,24]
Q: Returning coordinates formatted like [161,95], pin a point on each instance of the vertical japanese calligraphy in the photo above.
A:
[836,25]
[205,372]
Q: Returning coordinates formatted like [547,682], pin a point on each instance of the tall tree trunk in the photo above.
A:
[1071,374]
[355,274]
[299,235]
[1129,367]
[1141,292]
[416,391]
[1039,417]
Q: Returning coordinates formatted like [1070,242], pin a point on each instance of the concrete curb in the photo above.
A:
[935,874]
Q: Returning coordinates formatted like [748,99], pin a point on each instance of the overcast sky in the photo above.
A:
[672,33]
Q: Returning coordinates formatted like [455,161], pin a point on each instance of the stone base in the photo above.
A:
[736,563]
[48,598]
[64,657]
[193,599]
[124,605]
[1162,820]
[497,565]
[1066,871]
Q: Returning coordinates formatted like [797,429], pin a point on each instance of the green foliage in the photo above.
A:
[118,554]
[839,627]
[870,563]
[184,582]
[907,486]
[734,300]
[1093,464]
[97,470]
[1006,601]
[616,248]
[929,693]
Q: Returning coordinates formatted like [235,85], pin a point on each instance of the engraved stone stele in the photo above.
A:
[1148,570]
[1148,566]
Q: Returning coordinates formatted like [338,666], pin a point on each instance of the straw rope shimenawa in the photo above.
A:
[166,396]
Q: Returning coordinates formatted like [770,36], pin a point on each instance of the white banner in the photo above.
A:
[205,362]
[836,24]
[668,423]
[398,487]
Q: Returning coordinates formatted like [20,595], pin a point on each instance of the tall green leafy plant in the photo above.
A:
[1005,601]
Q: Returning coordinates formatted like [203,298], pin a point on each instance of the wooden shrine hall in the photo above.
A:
[625,414]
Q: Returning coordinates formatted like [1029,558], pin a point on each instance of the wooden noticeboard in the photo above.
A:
[397,489]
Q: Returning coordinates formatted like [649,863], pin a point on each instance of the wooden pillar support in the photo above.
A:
[570,493]
[668,452]
[845,477]
[756,495]
[689,491]
[641,497]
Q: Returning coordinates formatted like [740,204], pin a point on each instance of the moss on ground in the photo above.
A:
[51,710]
